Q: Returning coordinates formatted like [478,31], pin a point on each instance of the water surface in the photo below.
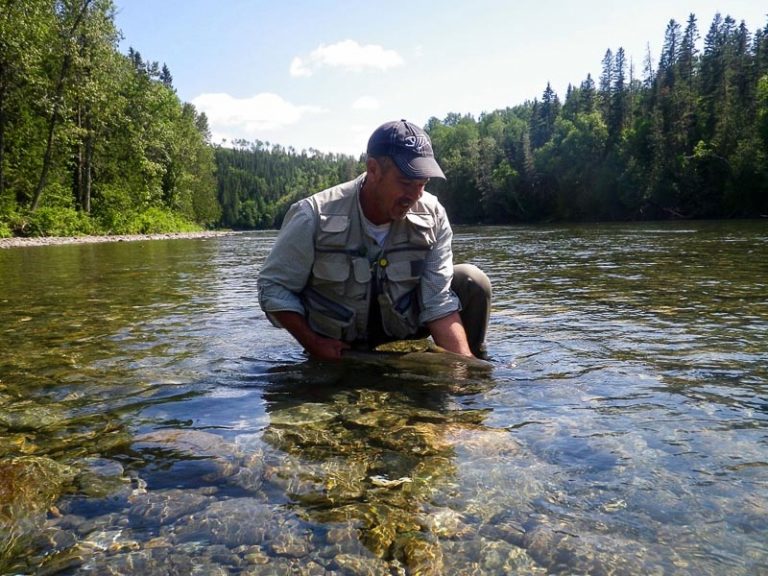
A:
[152,421]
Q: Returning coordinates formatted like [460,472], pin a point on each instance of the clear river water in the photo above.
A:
[152,421]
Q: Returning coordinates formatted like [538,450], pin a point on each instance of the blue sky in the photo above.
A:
[323,75]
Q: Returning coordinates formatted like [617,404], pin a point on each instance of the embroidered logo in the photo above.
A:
[417,142]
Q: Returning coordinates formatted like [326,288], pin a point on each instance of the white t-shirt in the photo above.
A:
[377,232]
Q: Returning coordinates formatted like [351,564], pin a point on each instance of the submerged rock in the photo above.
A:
[361,566]
[161,508]
[241,522]
[29,486]
[420,554]
[194,442]
[219,459]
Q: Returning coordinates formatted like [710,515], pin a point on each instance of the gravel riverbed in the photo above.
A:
[52,240]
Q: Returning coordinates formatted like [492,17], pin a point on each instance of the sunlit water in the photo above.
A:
[153,422]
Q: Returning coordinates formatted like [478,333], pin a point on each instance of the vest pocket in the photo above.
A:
[333,231]
[402,277]
[328,317]
[331,272]
[331,327]
[399,319]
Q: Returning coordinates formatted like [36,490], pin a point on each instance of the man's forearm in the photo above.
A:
[448,332]
[314,343]
[297,326]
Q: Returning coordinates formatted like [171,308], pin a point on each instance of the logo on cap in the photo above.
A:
[417,142]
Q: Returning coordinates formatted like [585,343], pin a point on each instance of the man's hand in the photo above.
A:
[326,348]
[316,345]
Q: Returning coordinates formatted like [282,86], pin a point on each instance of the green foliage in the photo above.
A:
[159,220]
[689,141]
[88,131]
[50,221]
[115,210]
[257,182]
[94,141]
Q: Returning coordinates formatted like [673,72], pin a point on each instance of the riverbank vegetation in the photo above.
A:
[257,182]
[93,141]
[687,137]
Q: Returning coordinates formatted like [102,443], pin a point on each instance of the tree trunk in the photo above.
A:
[77,172]
[58,97]
[2,145]
[87,176]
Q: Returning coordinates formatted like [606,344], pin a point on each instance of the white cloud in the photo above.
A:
[298,68]
[230,117]
[347,55]
[366,103]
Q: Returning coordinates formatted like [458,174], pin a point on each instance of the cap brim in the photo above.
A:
[419,167]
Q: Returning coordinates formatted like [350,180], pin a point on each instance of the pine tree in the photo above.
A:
[543,119]
[165,77]
[588,94]
[617,110]
[670,54]
[606,84]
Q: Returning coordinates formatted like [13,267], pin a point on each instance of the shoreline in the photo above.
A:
[60,240]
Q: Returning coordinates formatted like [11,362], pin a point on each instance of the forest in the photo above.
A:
[685,138]
[93,141]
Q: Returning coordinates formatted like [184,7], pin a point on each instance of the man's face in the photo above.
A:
[393,192]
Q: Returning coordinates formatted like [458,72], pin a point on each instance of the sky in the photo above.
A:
[322,75]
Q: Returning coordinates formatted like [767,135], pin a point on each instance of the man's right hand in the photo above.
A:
[316,345]
[324,348]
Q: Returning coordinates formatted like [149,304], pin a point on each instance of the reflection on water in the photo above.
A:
[153,422]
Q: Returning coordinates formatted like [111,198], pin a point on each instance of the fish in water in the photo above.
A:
[414,353]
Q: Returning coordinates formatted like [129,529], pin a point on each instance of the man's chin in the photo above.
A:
[400,212]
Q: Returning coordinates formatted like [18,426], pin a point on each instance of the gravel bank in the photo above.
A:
[52,240]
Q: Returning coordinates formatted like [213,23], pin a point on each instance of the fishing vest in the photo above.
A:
[350,268]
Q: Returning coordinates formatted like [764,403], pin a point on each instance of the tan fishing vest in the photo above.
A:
[348,267]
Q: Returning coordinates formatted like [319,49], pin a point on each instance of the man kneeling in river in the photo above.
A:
[370,261]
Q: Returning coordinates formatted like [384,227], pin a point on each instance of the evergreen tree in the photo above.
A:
[617,110]
[543,119]
[165,77]
[588,95]
[670,54]
[605,92]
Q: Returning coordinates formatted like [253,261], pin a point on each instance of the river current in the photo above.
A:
[152,421]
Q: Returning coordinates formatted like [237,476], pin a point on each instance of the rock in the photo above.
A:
[420,554]
[241,522]
[355,565]
[29,486]
[194,442]
[165,507]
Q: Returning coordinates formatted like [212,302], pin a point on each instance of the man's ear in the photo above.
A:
[374,169]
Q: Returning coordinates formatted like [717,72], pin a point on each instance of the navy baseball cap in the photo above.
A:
[408,146]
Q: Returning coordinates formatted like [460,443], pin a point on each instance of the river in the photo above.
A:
[152,421]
